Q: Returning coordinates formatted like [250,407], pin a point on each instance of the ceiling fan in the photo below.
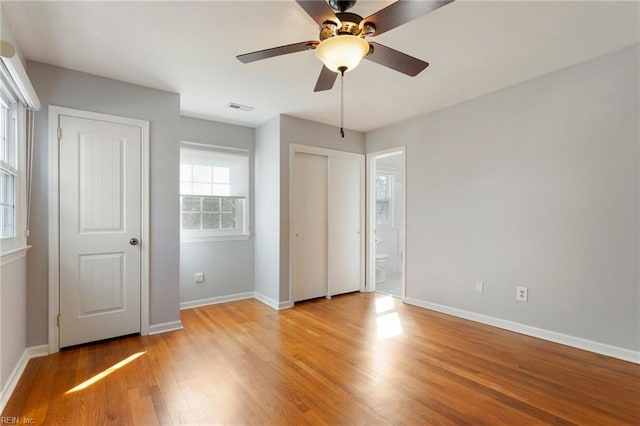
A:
[342,37]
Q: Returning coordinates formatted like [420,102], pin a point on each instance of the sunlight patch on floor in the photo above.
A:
[384,304]
[105,373]
[387,319]
[389,326]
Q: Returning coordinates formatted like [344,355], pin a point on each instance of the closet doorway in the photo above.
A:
[387,193]
[327,222]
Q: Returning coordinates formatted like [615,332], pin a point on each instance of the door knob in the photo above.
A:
[134,241]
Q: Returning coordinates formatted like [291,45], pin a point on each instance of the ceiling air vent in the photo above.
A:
[240,106]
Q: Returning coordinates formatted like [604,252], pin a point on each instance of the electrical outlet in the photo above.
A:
[522,294]
[199,277]
[479,287]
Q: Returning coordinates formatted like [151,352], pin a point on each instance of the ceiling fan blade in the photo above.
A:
[395,60]
[401,12]
[319,10]
[276,51]
[326,80]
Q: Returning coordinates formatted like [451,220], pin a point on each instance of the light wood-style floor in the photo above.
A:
[329,362]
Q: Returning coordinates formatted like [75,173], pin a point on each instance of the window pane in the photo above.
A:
[201,189]
[186,188]
[186,172]
[190,204]
[229,221]
[202,174]
[4,133]
[6,188]
[12,149]
[220,189]
[382,187]
[190,220]
[7,205]
[211,221]
[7,214]
[229,205]
[382,212]
[211,205]
[221,175]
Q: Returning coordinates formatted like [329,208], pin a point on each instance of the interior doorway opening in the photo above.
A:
[387,222]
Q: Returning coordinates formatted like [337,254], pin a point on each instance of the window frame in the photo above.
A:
[243,215]
[17,132]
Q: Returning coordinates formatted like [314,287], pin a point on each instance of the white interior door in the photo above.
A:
[100,202]
[345,224]
[309,268]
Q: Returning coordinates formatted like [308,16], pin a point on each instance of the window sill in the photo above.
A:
[13,255]
[214,238]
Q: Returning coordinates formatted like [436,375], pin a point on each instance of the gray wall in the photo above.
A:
[304,132]
[227,265]
[67,88]
[534,185]
[13,316]
[267,219]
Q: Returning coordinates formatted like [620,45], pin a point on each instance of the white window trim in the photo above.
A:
[10,246]
[204,236]
[211,238]
[14,255]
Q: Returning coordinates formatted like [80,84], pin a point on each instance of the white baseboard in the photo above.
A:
[285,305]
[16,374]
[165,327]
[272,303]
[216,300]
[552,336]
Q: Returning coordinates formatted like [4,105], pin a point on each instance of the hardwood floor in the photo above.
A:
[326,362]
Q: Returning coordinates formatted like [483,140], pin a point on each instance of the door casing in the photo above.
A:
[371,217]
[54,230]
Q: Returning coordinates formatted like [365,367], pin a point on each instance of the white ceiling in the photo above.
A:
[474,47]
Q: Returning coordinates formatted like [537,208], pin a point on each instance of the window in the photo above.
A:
[18,102]
[214,187]
[383,185]
[8,168]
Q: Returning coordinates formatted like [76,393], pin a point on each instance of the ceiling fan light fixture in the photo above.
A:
[342,51]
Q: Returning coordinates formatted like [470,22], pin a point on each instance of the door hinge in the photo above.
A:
[59,133]
[58,320]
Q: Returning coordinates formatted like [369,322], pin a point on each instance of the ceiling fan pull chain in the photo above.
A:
[342,70]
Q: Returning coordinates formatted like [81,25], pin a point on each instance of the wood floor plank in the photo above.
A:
[329,362]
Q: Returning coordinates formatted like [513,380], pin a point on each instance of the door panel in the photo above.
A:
[102,288]
[309,268]
[100,211]
[345,214]
[101,183]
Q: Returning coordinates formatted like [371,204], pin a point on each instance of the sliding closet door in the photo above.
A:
[309,204]
[345,223]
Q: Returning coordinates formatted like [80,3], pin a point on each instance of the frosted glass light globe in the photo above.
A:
[342,51]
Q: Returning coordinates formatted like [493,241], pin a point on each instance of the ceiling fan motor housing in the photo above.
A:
[350,24]
[341,5]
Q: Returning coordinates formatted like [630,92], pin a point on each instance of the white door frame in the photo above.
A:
[54,223]
[371,215]
[306,149]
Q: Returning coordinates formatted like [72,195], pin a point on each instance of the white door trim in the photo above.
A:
[306,149]
[54,223]
[371,216]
